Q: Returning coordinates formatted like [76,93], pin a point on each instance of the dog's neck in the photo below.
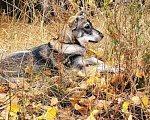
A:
[66,48]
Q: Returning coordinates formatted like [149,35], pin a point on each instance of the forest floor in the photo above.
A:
[74,95]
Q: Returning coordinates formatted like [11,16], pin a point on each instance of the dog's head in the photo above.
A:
[80,30]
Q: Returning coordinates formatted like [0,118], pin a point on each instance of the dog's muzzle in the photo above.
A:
[93,41]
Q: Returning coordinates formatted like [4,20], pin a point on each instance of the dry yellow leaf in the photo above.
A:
[54,101]
[51,113]
[41,117]
[90,2]
[13,108]
[97,79]
[93,51]
[99,52]
[90,81]
[95,112]
[122,57]
[125,107]
[91,117]
[145,101]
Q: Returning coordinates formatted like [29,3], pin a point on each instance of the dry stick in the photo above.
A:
[116,110]
[9,103]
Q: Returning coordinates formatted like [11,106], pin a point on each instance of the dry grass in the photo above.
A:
[126,44]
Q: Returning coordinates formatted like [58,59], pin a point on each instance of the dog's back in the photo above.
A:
[16,63]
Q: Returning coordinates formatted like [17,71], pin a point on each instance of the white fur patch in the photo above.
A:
[15,53]
[95,37]
[68,48]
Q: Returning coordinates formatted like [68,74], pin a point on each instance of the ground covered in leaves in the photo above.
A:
[71,94]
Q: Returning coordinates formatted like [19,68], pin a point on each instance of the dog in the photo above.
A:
[69,50]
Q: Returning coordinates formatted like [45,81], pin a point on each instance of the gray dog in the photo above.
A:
[70,51]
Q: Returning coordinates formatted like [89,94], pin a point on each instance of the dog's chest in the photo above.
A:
[49,56]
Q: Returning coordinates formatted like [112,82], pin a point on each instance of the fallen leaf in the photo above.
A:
[13,85]
[125,107]
[4,114]
[91,117]
[54,101]
[83,85]
[74,100]
[78,107]
[81,109]
[51,113]
[93,113]
[99,53]
[145,101]
[85,101]
[80,74]
[2,96]
[92,72]
[13,108]
[3,88]
[121,57]
[90,2]
[41,117]
[91,50]
[92,98]
[91,80]
[136,100]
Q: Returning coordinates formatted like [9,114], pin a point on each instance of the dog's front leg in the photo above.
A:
[83,63]
[92,61]
[86,64]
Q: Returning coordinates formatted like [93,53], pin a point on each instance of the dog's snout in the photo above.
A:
[101,34]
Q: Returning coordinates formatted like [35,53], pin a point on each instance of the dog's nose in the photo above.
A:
[101,34]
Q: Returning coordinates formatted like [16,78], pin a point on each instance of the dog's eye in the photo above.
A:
[87,26]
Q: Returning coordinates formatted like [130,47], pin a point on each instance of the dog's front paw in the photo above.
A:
[117,70]
[106,68]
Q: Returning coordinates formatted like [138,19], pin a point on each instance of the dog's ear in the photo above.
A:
[67,31]
[81,13]
[73,22]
